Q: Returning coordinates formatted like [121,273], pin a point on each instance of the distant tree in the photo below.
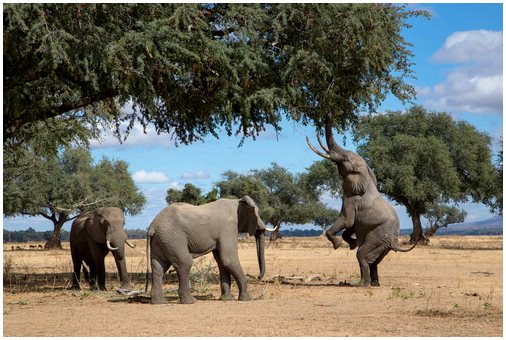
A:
[440,216]
[190,194]
[173,196]
[422,157]
[136,234]
[282,197]
[496,204]
[191,69]
[322,177]
[61,187]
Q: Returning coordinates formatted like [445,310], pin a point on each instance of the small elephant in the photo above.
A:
[92,235]
[182,232]
[367,219]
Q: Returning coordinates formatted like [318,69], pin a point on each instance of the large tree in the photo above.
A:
[421,157]
[191,69]
[61,187]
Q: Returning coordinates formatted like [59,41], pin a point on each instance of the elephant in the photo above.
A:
[92,235]
[364,212]
[182,232]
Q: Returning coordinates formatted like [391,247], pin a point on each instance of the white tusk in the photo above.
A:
[110,247]
[130,244]
[271,230]
[354,236]
[321,144]
[316,151]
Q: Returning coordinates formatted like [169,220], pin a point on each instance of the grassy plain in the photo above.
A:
[453,287]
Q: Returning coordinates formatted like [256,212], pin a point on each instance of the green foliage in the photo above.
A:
[190,194]
[422,157]
[320,177]
[440,216]
[62,186]
[191,69]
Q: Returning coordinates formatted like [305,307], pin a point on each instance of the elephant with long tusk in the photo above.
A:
[367,219]
[92,235]
[182,232]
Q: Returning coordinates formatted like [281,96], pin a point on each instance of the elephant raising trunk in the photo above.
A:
[364,212]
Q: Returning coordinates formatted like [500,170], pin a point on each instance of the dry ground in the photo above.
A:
[451,288]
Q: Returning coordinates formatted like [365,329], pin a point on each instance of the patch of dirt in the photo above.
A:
[307,291]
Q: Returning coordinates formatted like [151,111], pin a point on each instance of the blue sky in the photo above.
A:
[458,69]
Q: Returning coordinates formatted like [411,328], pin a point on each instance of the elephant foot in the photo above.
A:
[187,300]
[244,297]
[158,301]
[75,287]
[125,286]
[375,283]
[364,284]
[336,242]
[226,297]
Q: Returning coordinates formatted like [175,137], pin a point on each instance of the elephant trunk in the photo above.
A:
[337,153]
[260,242]
[116,244]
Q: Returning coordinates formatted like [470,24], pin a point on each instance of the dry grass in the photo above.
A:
[453,287]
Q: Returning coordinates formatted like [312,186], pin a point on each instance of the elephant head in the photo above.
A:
[357,175]
[108,228]
[249,221]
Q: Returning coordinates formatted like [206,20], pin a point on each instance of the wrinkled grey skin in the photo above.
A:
[182,232]
[88,243]
[364,211]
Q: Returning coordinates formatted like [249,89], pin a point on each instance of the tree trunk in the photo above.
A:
[417,234]
[275,235]
[55,240]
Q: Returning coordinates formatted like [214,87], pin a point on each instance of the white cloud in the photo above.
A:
[474,84]
[150,177]
[136,136]
[190,175]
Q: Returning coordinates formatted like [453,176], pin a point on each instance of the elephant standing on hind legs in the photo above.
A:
[92,235]
[364,211]
[182,232]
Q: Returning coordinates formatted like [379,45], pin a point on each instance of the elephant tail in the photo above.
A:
[148,259]
[402,250]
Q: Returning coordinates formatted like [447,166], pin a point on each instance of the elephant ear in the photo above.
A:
[248,221]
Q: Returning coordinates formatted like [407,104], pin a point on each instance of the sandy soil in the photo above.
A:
[451,288]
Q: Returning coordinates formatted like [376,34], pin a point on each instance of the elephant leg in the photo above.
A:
[225,279]
[76,259]
[158,269]
[347,233]
[338,226]
[92,280]
[365,271]
[100,263]
[373,268]
[369,255]
[231,264]
[382,252]
[183,266]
